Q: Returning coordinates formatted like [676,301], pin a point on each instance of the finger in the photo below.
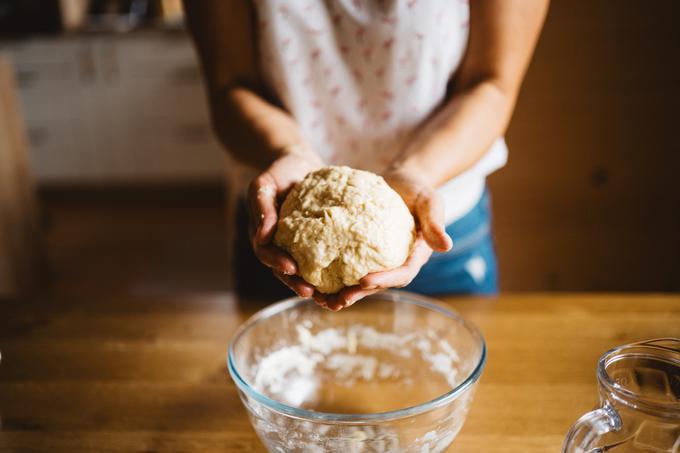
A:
[262,202]
[274,257]
[349,296]
[320,299]
[297,284]
[329,300]
[430,212]
[337,301]
[320,304]
[282,278]
[402,275]
[355,294]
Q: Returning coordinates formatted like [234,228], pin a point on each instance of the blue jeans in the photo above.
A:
[470,266]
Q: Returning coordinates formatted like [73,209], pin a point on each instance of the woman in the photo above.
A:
[420,91]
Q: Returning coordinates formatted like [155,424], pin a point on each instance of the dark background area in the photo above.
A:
[590,199]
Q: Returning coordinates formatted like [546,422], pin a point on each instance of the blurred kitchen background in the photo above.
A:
[102,109]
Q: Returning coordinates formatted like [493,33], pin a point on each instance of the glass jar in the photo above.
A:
[639,411]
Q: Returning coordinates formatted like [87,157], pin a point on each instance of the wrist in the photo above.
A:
[301,150]
[425,167]
[410,167]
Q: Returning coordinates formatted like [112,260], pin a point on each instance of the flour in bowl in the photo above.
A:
[296,374]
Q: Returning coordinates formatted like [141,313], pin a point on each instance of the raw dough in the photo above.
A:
[340,224]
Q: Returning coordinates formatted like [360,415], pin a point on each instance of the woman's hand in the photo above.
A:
[426,206]
[264,193]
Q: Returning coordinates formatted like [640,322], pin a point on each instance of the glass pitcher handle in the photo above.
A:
[589,427]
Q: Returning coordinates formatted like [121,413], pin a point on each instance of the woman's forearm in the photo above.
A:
[252,128]
[255,131]
[503,34]
[459,134]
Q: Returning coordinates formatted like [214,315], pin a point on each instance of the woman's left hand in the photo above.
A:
[426,206]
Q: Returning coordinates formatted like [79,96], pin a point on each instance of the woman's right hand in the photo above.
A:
[264,194]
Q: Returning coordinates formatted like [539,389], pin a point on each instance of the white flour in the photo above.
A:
[288,373]
[347,366]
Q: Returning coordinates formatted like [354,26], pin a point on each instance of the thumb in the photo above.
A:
[430,212]
[263,207]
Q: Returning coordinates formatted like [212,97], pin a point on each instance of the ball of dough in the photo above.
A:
[340,224]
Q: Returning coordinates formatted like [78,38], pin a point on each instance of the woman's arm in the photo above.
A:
[252,128]
[246,120]
[503,34]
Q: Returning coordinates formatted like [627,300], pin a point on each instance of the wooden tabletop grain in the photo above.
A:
[147,374]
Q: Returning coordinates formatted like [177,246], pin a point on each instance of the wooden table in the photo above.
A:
[147,374]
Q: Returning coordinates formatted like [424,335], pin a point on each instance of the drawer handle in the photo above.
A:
[26,78]
[38,136]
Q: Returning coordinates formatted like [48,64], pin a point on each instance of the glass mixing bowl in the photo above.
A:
[393,373]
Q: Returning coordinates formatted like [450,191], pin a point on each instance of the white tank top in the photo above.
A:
[360,77]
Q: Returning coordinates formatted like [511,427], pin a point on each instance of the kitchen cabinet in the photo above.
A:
[115,108]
